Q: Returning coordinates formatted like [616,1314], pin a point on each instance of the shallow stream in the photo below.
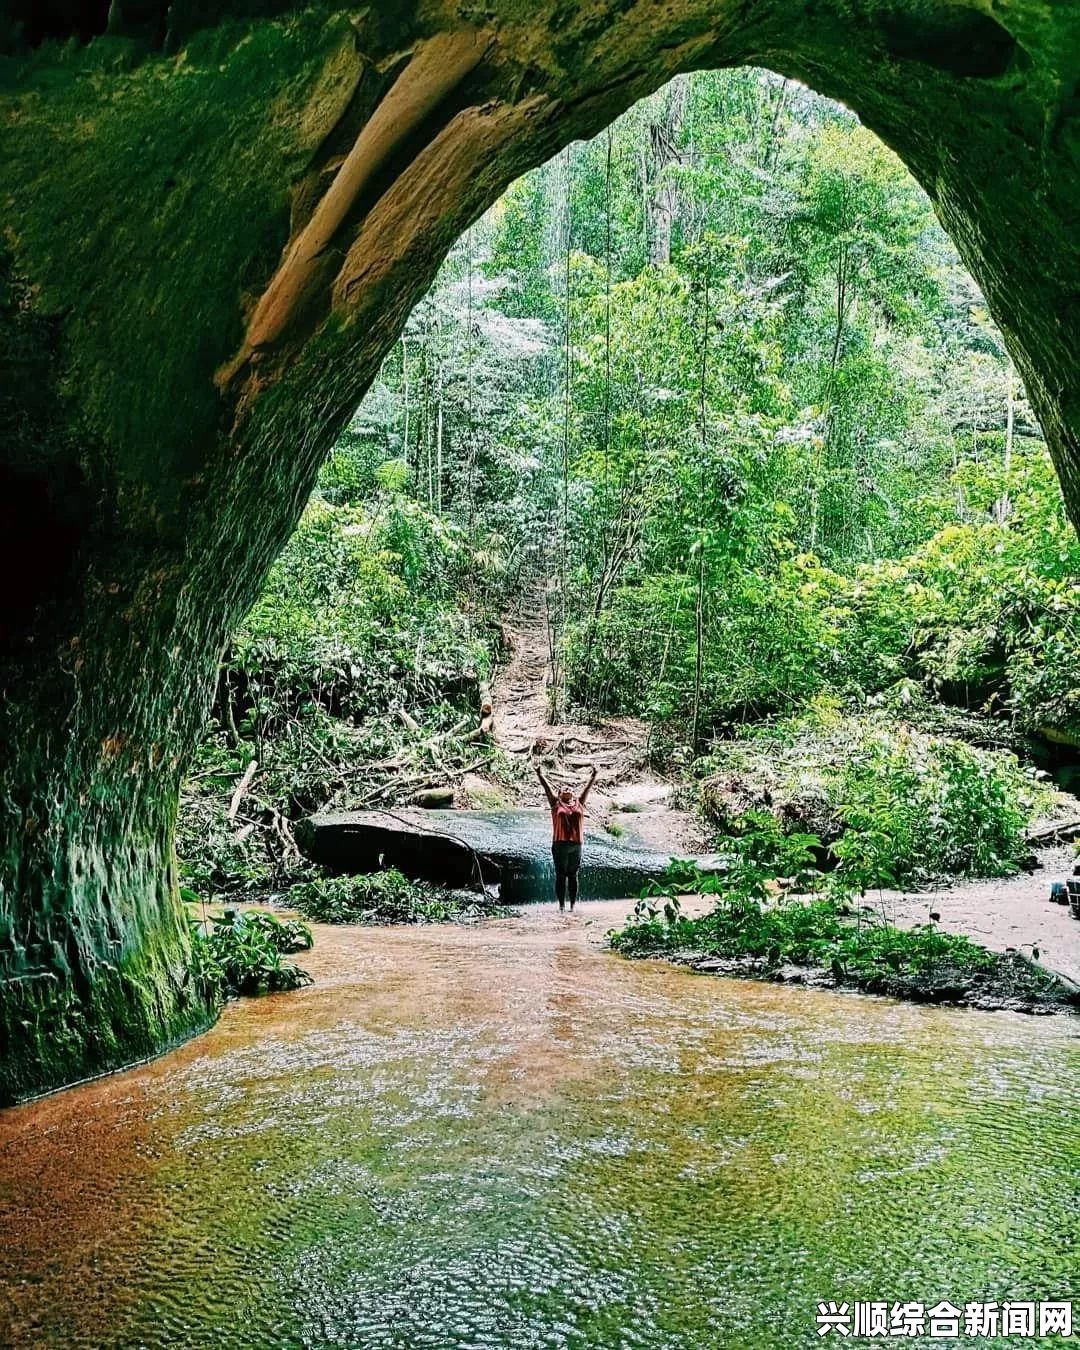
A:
[504,1136]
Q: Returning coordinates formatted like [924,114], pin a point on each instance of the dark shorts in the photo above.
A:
[566,857]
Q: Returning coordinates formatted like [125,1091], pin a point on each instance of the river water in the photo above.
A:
[504,1136]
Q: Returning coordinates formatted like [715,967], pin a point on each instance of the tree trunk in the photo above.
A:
[405,397]
[699,649]
[772,145]
[439,427]
[1003,506]
[663,153]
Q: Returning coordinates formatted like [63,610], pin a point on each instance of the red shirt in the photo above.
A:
[566,818]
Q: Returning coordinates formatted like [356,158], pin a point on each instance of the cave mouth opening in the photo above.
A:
[955,132]
[498,311]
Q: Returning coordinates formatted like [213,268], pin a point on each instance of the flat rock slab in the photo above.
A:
[474,848]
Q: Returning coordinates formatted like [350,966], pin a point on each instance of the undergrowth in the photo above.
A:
[240,952]
[890,805]
[387,897]
[354,682]
[761,932]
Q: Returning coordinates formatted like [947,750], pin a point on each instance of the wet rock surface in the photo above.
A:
[472,848]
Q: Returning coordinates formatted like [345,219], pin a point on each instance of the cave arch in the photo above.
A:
[218,216]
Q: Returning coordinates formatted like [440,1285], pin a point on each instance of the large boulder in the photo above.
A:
[511,849]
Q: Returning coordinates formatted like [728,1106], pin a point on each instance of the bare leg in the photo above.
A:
[573,862]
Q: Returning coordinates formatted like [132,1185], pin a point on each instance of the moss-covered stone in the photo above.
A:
[53,1032]
[154,458]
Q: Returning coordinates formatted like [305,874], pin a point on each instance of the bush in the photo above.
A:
[241,952]
[772,645]
[918,807]
[895,806]
[863,951]
[384,898]
[984,614]
[363,612]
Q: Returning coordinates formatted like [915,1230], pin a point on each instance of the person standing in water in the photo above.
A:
[567,816]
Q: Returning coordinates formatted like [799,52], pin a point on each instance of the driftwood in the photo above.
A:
[282,829]
[1064,832]
[435,799]
[486,729]
[241,788]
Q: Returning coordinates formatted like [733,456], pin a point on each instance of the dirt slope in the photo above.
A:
[629,797]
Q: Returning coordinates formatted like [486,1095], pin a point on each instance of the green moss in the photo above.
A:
[143,198]
[55,1032]
[149,201]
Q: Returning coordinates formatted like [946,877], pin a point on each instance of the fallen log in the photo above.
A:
[241,788]
[477,848]
[1063,832]
[435,799]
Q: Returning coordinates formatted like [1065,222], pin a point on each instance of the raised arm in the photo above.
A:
[585,790]
[548,793]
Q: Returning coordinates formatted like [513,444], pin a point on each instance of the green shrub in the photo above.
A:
[241,952]
[819,933]
[916,808]
[894,805]
[383,898]
[983,613]
[772,644]
[853,946]
[363,612]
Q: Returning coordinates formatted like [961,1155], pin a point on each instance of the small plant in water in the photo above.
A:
[240,952]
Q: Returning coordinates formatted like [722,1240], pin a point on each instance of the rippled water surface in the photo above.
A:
[504,1136]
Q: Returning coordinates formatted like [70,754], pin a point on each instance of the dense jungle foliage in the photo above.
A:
[717,385]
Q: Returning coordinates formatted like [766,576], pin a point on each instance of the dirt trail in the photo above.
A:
[628,798]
